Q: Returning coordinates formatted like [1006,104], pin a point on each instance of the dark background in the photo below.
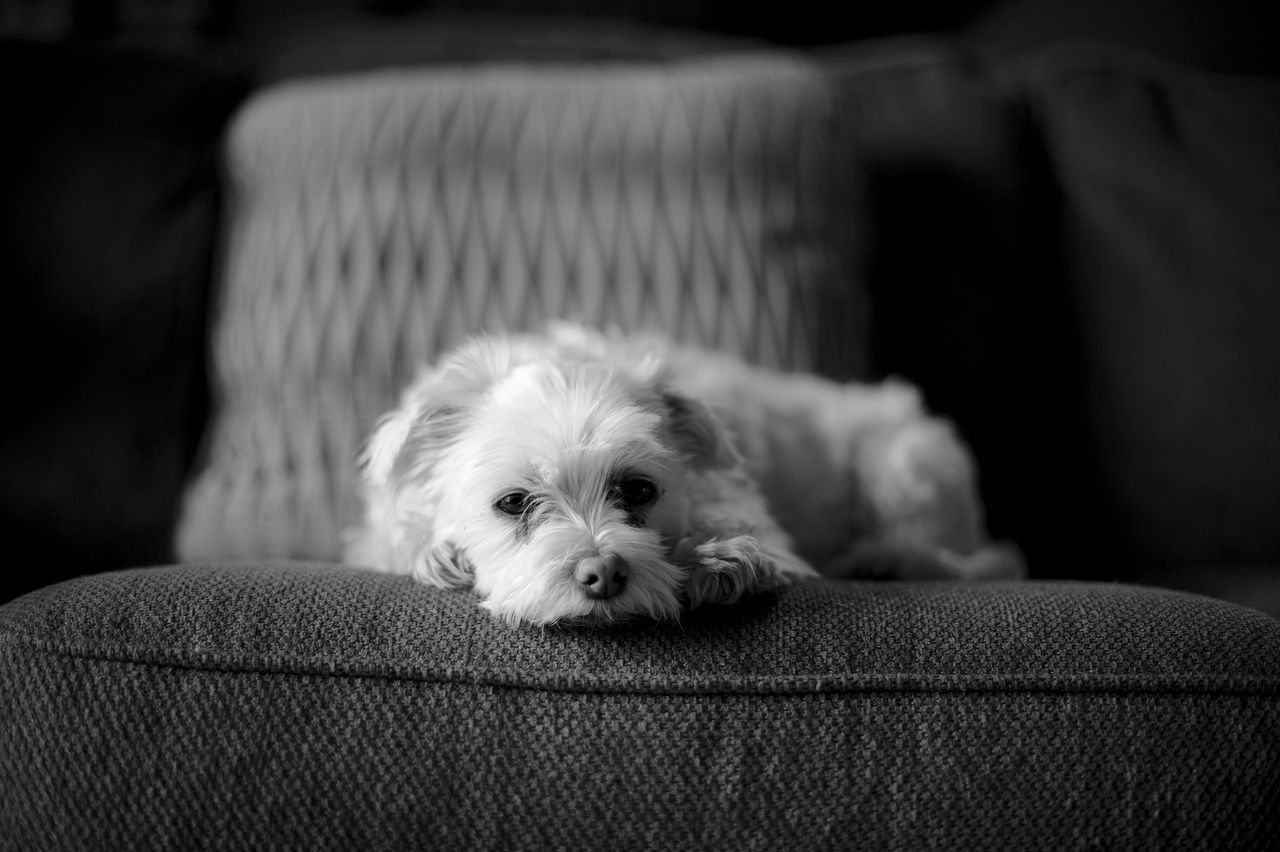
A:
[1227,35]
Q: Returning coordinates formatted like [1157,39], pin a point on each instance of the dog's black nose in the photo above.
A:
[602,576]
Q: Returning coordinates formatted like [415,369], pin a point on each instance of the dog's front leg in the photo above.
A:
[722,571]
[725,570]
[734,548]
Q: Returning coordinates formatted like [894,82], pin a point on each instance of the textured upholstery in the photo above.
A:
[302,705]
[381,217]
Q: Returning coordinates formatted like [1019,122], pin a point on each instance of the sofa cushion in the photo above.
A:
[1170,182]
[382,217]
[108,203]
[305,705]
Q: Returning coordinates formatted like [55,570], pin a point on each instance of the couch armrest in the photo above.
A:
[314,706]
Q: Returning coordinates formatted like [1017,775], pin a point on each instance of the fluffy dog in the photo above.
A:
[590,477]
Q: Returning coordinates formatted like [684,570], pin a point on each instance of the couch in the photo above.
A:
[217,284]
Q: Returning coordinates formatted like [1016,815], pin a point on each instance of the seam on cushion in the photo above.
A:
[571,681]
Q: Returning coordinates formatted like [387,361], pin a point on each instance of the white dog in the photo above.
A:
[580,476]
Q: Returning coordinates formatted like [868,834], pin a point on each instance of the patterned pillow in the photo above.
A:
[379,218]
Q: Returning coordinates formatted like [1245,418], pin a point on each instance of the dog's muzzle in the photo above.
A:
[602,576]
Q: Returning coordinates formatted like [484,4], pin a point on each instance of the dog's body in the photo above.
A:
[576,475]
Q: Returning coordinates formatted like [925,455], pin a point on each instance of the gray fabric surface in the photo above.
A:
[310,706]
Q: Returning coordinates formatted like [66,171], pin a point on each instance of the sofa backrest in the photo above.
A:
[1074,254]
[109,201]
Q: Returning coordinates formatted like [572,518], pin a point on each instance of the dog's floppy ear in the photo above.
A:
[409,440]
[697,431]
[407,443]
[384,445]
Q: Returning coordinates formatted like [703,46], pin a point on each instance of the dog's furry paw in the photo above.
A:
[725,570]
[998,561]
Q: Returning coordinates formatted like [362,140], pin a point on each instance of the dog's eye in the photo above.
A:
[513,503]
[637,492]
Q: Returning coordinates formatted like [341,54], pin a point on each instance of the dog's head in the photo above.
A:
[555,487]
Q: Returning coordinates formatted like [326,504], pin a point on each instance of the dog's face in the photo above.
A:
[557,490]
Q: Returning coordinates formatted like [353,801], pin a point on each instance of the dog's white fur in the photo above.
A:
[756,475]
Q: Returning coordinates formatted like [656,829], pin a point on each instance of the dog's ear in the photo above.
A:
[384,446]
[407,443]
[697,431]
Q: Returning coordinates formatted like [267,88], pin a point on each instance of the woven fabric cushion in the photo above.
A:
[314,707]
[383,217]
